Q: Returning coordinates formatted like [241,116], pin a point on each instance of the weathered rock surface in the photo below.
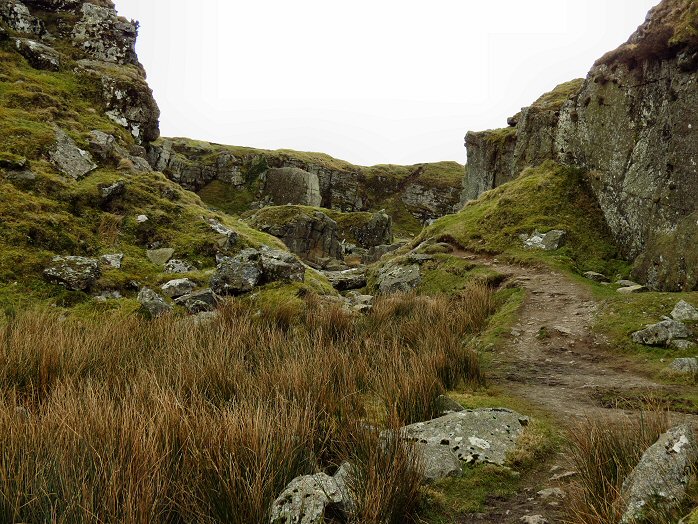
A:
[474,436]
[377,252]
[178,287]
[684,312]
[550,241]
[17,16]
[112,260]
[311,235]
[596,277]
[631,123]
[154,304]
[239,274]
[688,366]
[347,279]
[658,483]
[398,279]
[176,266]
[307,499]
[74,273]
[376,232]
[291,185]
[427,203]
[661,334]
[199,302]
[280,265]
[438,461]
[38,55]
[630,290]
[103,35]
[69,158]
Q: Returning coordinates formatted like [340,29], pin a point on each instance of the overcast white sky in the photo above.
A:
[369,81]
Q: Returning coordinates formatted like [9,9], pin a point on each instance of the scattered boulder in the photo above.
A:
[112,260]
[684,312]
[111,191]
[74,273]
[475,436]
[199,302]
[377,252]
[280,265]
[347,279]
[306,499]
[550,241]
[398,279]
[154,304]
[69,158]
[661,334]
[534,519]
[378,231]
[175,266]
[38,55]
[160,256]
[682,345]
[596,277]
[230,237]
[688,366]
[658,483]
[630,290]
[178,287]
[359,303]
[239,274]
[101,144]
[142,219]
[291,185]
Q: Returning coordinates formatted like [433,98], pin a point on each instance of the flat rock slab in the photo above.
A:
[69,158]
[661,334]
[474,436]
[550,241]
[160,256]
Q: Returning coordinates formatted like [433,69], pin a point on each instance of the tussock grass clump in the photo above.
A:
[604,453]
[121,419]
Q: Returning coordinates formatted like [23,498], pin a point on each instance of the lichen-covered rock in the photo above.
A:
[661,334]
[376,232]
[69,158]
[687,366]
[490,161]
[176,266]
[347,279]
[438,461]
[155,305]
[239,274]
[312,235]
[17,16]
[38,55]
[426,203]
[199,302]
[550,241]
[103,35]
[280,265]
[684,312]
[74,273]
[657,485]
[112,260]
[109,192]
[178,287]
[290,185]
[398,279]
[475,436]
[127,98]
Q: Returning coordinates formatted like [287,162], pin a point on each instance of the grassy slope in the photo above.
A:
[53,215]
[543,198]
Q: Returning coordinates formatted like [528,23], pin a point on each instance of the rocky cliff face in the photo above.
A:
[251,179]
[632,124]
[98,44]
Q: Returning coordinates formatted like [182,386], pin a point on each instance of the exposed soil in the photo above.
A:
[553,359]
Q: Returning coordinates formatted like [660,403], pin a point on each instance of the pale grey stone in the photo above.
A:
[398,279]
[113,260]
[684,312]
[178,287]
[74,273]
[153,303]
[69,158]
[661,334]
[160,256]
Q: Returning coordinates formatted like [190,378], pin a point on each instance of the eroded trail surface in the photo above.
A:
[553,359]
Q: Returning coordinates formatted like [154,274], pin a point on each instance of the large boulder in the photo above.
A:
[199,302]
[69,158]
[38,55]
[153,304]
[178,287]
[239,274]
[661,334]
[74,273]
[398,279]
[280,265]
[657,485]
[474,436]
[290,185]
[310,234]
[347,279]
[377,231]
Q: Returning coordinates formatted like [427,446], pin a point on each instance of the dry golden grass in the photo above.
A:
[604,452]
[127,420]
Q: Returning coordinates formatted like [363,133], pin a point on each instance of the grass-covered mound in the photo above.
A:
[548,197]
